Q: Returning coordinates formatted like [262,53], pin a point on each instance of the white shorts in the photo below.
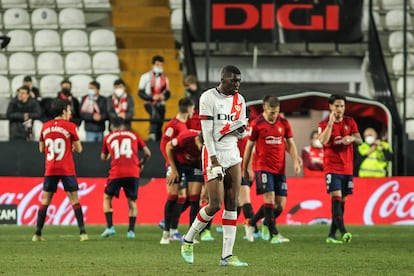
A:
[227,159]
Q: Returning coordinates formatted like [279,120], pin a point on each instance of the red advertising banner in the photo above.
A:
[375,201]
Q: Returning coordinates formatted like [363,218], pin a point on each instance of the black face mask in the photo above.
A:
[66,92]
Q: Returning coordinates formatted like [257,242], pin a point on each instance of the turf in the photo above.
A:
[374,250]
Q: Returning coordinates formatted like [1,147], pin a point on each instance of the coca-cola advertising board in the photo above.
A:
[375,201]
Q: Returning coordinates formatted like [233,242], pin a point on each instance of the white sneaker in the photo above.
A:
[249,232]
[165,239]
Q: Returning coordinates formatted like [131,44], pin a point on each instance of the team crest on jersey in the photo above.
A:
[237,107]
[346,127]
[280,130]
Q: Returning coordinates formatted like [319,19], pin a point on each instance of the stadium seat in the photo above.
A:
[61,4]
[50,85]
[3,64]
[175,4]
[37,127]
[47,40]
[398,63]
[365,20]
[5,4]
[16,18]
[75,40]
[44,18]
[92,4]
[105,63]
[4,104]
[4,130]
[107,83]
[409,126]
[21,40]
[394,20]
[102,40]
[17,81]
[392,4]
[396,41]
[4,87]
[22,63]
[80,84]
[1,20]
[412,4]
[50,63]
[78,63]
[410,87]
[177,23]
[42,4]
[71,18]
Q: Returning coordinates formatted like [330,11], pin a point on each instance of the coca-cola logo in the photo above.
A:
[388,205]
[60,210]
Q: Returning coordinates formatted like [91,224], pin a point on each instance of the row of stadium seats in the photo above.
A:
[43,18]
[392,21]
[68,40]
[385,5]
[60,4]
[49,85]
[55,63]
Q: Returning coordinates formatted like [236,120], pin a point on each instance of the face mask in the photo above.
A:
[119,92]
[157,71]
[91,92]
[370,140]
[317,144]
[66,92]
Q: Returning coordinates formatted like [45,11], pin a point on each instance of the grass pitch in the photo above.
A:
[374,250]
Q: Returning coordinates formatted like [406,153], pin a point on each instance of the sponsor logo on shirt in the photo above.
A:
[273,140]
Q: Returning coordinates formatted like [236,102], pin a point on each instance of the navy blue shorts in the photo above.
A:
[339,182]
[129,184]
[270,182]
[70,183]
[188,174]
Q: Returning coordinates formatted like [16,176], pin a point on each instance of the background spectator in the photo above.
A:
[66,94]
[94,112]
[193,91]
[372,156]
[312,156]
[120,104]
[21,112]
[34,91]
[154,89]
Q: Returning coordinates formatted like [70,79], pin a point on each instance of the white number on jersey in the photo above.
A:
[124,149]
[55,148]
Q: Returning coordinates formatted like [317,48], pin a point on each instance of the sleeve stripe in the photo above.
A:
[205,117]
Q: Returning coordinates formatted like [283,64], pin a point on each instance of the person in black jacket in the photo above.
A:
[66,94]
[34,91]
[94,112]
[21,112]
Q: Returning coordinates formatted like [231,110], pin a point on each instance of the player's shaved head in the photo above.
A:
[271,101]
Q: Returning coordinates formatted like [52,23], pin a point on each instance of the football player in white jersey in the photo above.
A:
[223,121]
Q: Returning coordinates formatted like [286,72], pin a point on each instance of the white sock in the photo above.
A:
[198,224]
[229,219]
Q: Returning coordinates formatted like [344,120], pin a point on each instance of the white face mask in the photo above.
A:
[119,92]
[369,140]
[91,92]
[157,70]
[317,144]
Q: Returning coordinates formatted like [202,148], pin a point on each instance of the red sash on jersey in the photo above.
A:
[160,87]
